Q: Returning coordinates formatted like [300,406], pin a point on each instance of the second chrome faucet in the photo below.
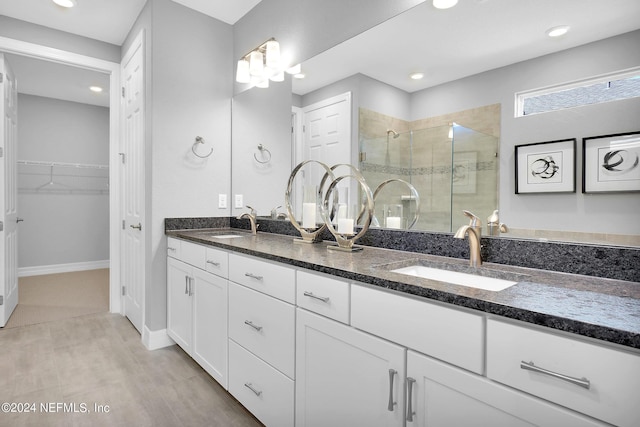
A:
[251,216]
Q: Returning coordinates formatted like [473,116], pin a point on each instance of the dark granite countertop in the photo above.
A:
[605,309]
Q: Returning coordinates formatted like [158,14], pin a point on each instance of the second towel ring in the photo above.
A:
[200,140]
[262,150]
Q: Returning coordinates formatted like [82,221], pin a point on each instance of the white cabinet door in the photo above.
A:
[440,395]
[210,324]
[179,303]
[345,377]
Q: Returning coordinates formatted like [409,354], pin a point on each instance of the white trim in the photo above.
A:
[46,53]
[153,340]
[62,268]
[602,78]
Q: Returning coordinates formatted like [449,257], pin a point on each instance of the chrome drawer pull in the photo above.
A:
[250,387]
[311,295]
[217,264]
[186,285]
[250,323]
[253,276]
[582,382]
[392,373]
[171,249]
[410,413]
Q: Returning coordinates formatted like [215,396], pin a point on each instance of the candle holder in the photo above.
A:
[393,213]
[345,234]
[310,229]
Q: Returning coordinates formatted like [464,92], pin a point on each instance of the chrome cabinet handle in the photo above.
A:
[410,413]
[169,248]
[186,285]
[138,227]
[191,279]
[392,373]
[253,276]
[250,323]
[581,382]
[311,295]
[217,264]
[252,388]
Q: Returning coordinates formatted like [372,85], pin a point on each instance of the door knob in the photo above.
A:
[139,226]
[18,219]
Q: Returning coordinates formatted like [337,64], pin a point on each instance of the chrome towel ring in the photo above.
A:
[263,150]
[200,140]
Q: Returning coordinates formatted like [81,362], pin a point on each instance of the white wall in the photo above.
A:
[61,228]
[599,213]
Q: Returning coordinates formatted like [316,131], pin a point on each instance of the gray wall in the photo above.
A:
[600,213]
[189,75]
[37,34]
[61,228]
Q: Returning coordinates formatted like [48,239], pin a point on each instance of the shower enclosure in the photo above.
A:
[452,168]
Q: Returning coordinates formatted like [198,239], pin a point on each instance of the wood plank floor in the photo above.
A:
[98,359]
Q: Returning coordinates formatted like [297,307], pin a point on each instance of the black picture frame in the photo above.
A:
[546,167]
[611,163]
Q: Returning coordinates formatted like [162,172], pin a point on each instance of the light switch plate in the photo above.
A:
[222,201]
[239,202]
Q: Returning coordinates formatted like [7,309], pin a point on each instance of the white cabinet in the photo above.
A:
[441,395]
[592,379]
[345,377]
[197,307]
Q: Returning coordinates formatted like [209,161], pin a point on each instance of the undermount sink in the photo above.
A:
[479,279]
[225,234]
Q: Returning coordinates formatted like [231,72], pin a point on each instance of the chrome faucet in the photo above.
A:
[251,216]
[474,231]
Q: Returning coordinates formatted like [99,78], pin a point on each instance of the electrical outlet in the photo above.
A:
[239,203]
[222,201]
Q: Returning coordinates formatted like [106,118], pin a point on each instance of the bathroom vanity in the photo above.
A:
[309,337]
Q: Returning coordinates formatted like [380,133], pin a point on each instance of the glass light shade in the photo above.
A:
[262,83]
[242,72]
[273,54]
[256,66]
[277,77]
[444,4]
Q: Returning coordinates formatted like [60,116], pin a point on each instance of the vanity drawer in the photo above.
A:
[613,375]
[263,325]
[272,279]
[451,335]
[191,253]
[217,262]
[323,295]
[264,391]
[173,247]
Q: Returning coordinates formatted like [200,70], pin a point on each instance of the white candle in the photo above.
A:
[342,211]
[345,225]
[394,222]
[308,215]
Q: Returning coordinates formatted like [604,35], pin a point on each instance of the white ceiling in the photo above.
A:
[472,37]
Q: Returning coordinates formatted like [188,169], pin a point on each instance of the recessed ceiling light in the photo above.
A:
[66,3]
[299,76]
[416,76]
[96,89]
[558,31]
[444,4]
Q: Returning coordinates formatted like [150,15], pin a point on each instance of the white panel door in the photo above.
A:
[327,133]
[8,199]
[132,179]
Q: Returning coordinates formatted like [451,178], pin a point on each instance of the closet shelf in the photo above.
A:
[61,164]
[37,177]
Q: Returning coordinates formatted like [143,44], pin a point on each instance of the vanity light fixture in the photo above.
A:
[296,69]
[416,76]
[444,4]
[96,89]
[262,64]
[558,31]
[66,3]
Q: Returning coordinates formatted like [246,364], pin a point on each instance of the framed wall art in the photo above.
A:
[610,163]
[546,167]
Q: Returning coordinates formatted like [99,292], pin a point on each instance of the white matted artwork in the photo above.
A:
[611,163]
[546,167]
[464,172]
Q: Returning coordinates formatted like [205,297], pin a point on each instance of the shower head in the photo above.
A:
[391,131]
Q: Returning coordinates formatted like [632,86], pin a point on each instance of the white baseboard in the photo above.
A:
[154,340]
[62,268]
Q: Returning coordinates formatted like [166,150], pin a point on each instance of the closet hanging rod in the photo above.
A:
[61,164]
